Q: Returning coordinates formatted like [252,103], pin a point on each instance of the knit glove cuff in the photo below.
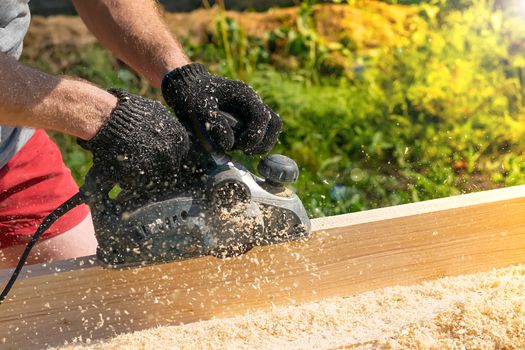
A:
[122,122]
[189,71]
[139,144]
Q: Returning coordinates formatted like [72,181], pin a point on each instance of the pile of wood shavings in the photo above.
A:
[481,311]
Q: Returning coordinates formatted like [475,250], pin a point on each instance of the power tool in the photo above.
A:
[215,207]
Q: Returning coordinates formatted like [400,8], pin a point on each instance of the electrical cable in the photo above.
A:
[71,203]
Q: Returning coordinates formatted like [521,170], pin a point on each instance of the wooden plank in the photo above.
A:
[346,254]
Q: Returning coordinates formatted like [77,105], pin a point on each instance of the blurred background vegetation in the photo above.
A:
[383,102]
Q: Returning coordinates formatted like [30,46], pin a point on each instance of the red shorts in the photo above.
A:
[32,184]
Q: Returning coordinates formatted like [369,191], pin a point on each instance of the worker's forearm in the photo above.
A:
[32,98]
[135,32]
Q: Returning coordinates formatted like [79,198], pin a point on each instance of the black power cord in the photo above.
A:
[71,203]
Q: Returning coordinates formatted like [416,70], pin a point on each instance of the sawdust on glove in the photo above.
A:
[198,98]
[140,144]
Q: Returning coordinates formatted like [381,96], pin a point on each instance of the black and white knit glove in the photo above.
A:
[140,144]
[198,98]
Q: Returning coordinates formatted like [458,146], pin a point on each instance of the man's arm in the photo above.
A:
[135,33]
[29,97]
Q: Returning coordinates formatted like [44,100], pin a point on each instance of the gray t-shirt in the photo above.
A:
[14,22]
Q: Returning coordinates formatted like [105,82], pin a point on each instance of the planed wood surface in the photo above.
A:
[346,254]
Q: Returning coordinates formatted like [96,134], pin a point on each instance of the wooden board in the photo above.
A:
[346,254]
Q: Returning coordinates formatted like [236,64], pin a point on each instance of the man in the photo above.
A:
[133,140]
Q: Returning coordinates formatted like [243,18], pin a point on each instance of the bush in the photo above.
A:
[436,114]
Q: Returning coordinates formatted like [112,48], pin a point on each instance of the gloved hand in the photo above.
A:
[197,96]
[140,143]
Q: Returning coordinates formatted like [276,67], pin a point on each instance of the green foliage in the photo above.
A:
[241,54]
[78,160]
[440,114]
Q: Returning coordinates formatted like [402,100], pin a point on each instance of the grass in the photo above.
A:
[439,115]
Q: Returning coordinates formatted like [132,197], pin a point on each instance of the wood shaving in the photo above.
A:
[480,311]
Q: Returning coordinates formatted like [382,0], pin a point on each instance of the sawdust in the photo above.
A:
[481,311]
[241,225]
[234,228]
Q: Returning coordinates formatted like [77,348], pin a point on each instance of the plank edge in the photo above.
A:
[318,225]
